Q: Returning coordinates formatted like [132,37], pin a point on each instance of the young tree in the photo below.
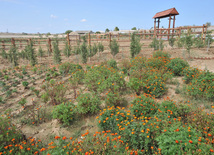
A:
[4,54]
[68,31]
[13,56]
[134,28]
[84,51]
[31,54]
[40,52]
[107,30]
[56,52]
[172,41]
[67,50]
[116,29]
[135,45]
[100,48]
[114,47]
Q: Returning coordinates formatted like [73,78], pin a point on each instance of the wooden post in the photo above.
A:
[179,32]
[13,42]
[68,40]
[202,35]
[169,26]
[20,44]
[118,35]
[154,28]
[109,38]
[158,26]
[173,24]
[144,34]
[3,45]
[150,34]
[141,34]
[205,32]
[49,43]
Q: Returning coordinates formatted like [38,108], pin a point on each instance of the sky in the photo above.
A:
[54,16]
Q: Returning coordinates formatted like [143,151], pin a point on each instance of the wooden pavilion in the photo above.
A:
[163,14]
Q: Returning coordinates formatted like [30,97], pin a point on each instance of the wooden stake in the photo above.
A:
[68,40]
[49,43]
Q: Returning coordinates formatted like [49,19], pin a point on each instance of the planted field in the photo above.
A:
[152,103]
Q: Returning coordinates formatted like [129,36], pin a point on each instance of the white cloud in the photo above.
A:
[53,16]
[83,20]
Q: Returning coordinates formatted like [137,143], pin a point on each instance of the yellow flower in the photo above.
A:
[98,82]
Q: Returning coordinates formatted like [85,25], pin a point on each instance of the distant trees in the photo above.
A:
[208,24]
[107,30]
[116,29]
[68,31]
[134,28]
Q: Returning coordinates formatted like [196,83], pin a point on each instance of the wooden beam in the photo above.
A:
[154,28]
[169,26]
[173,24]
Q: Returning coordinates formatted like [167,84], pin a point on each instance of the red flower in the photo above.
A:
[190,141]
[177,141]
[64,138]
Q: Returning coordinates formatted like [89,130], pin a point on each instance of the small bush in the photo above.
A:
[25,84]
[143,106]
[177,66]
[88,104]
[112,63]
[114,47]
[65,112]
[22,102]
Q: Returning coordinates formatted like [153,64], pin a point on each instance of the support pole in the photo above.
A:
[13,42]
[154,28]
[169,26]
[173,25]
[49,43]
[68,40]
[158,26]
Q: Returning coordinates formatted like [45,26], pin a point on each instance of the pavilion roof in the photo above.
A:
[166,13]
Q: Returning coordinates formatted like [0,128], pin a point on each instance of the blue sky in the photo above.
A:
[32,16]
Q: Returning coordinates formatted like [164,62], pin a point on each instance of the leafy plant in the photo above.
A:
[135,46]
[88,104]
[112,63]
[172,41]
[84,51]
[22,102]
[114,47]
[177,66]
[67,50]
[56,51]
[25,84]
[13,56]
[65,112]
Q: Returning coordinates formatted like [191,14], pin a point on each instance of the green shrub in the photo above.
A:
[180,139]
[161,54]
[143,106]
[190,73]
[111,118]
[157,44]
[25,84]
[56,51]
[135,46]
[65,112]
[114,47]
[88,104]
[22,102]
[112,63]
[177,66]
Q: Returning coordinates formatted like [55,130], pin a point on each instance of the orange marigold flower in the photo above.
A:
[28,149]
[64,138]
[176,141]
[57,137]
[209,135]
[190,141]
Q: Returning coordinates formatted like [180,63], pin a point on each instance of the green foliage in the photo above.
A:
[114,47]
[190,73]
[179,139]
[56,51]
[22,102]
[84,51]
[188,42]
[107,30]
[65,112]
[100,47]
[68,31]
[4,54]
[201,86]
[135,46]
[88,104]
[172,41]
[161,54]
[67,50]
[40,52]
[25,84]
[134,28]
[45,97]
[93,50]
[111,118]
[177,66]
[157,44]
[112,63]
[32,56]
[67,67]
[198,42]
[13,56]
[143,106]
[116,29]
